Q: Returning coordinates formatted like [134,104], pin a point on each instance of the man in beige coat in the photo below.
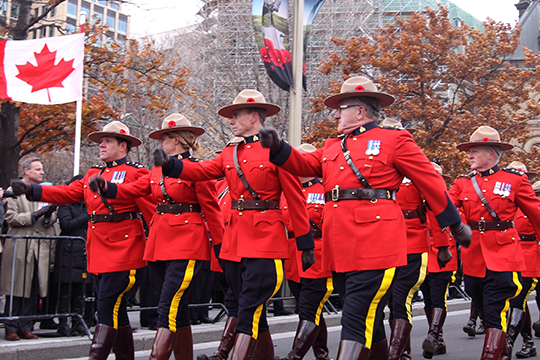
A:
[32,261]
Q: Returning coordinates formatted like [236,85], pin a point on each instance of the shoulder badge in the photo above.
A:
[390,128]
[469,175]
[134,164]
[191,158]
[235,140]
[514,171]
[98,166]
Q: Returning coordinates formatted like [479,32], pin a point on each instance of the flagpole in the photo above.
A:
[78,114]
[295,113]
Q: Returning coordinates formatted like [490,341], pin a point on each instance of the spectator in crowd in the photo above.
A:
[31,272]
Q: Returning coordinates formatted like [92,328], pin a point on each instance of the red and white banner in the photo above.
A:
[42,71]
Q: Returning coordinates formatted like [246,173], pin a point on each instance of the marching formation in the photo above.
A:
[366,215]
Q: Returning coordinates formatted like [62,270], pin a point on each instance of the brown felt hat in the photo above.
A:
[358,86]
[175,122]
[116,129]
[518,165]
[305,148]
[438,168]
[485,135]
[536,187]
[249,99]
[394,123]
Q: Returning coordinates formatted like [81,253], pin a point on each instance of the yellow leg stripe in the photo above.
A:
[372,311]
[329,289]
[515,278]
[119,299]
[173,310]
[533,286]
[421,278]
[257,316]
[453,276]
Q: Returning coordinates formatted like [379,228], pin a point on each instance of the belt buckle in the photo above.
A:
[335,193]
[240,206]
[482,226]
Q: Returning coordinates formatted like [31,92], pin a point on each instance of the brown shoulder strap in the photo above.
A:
[241,174]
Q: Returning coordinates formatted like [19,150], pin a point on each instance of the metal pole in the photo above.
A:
[295,113]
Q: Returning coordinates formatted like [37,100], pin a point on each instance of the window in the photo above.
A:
[15,11]
[72,9]
[3,7]
[43,32]
[52,13]
[122,26]
[36,12]
[51,31]
[111,20]
[102,2]
[44,9]
[114,5]
[98,14]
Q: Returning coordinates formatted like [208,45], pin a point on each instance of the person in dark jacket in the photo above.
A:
[70,264]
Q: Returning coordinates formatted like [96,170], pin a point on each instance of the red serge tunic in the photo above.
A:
[495,250]
[253,233]
[409,199]
[177,236]
[110,246]
[362,234]
[531,249]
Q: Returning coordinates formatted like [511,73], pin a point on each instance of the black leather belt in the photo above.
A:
[410,214]
[337,194]
[527,237]
[242,204]
[177,208]
[491,225]
[114,217]
[317,234]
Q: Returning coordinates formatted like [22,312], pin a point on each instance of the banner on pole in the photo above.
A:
[270,19]
[43,71]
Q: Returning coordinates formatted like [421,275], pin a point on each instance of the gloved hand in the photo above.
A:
[47,219]
[20,187]
[270,138]
[44,210]
[462,233]
[160,157]
[308,259]
[97,183]
[443,256]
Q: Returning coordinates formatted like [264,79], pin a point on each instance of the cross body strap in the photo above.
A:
[241,174]
[483,199]
[353,167]
[104,199]
[164,192]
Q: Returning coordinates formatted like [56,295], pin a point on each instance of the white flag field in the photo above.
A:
[43,71]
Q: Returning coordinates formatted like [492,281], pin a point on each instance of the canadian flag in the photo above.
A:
[42,71]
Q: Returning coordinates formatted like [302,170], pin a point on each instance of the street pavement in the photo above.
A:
[206,337]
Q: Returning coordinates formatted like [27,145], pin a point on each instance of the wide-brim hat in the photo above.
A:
[485,135]
[536,187]
[305,148]
[175,122]
[358,86]
[394,123]
[116,129]
[518,165]
[249,99]
[438,168]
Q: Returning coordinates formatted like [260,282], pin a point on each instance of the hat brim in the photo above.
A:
[97,135]
[531,174]
[384,99]
[467,145]
[227,111]
[157,135]
[446,177]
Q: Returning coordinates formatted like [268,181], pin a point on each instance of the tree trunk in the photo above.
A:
[9,150]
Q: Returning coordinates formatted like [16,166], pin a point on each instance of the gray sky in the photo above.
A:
[156,16]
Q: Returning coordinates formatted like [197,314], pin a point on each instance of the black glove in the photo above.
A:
[48,214]
[462,233]
[443,256]
[97,183]
[308,259]
[270,138]
[20,187]
[44,210]
[160,157]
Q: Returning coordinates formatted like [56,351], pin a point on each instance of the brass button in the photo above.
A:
[126,235]
[324,159]
[93,227]
[407,184]
[354,139]
[377,217]
[95,196]
[485,179]
[303,190]
[466,199]
[249,146]
[370,158]
[261,166]
[84,185]
[166,177]
[341,168]
[107,170]
[228,166]
[525,216]
[513,239]
[482,218]
[316,205]
[186,221]
[335,205]
[179,181]
[244,161]
[240,214]
[482,204]
[151,181]
[484,190]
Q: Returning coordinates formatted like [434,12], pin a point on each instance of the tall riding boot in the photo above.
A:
[493,344]
[102,342]
[305,336]
[163,344]
[123,346]
[352,350]
[406,354]
[379,350]
[515,322]
[226,343]
[264,350]
[470,328]
[183,345]
[244,347]
[320,345]
[528,349]
[401,330]
[431,344]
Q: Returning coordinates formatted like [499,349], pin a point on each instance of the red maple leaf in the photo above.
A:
[46,75]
